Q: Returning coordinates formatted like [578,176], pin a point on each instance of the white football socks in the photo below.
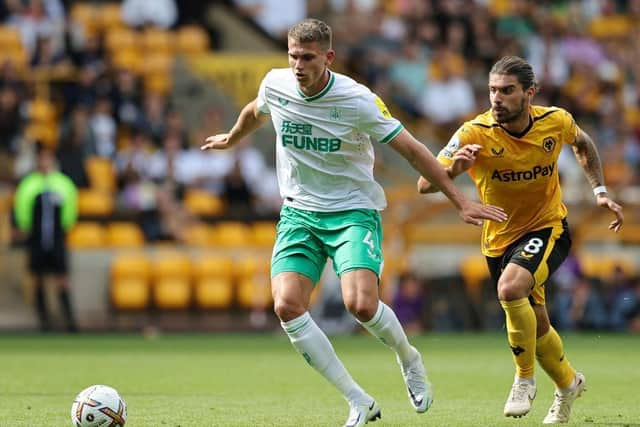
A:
[309,340]
[387,328]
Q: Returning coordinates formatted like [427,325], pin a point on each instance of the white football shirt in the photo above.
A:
[324,155]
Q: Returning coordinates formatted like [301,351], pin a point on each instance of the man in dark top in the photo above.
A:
[45,209]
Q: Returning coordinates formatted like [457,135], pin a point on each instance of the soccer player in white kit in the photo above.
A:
[323,122]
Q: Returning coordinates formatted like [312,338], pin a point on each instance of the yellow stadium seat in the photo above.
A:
[170,263]
[122,39]
[474,271]
[128,59]
[18,57]
[95,203]
[199,235]
[86,235]
[85,15]
[130,265]
[202,203]
[192,39]
[158,83]
[602,266]
[42,110]
[158,64]
[253,265]
[172,293]
[157,41]
[433,233]
[124,235]
[213,266]
[213,293]
[129,293]
[47,133]
[254,293]
[10,38]
[110,16]
[263,233]
[232,234]
[102,174]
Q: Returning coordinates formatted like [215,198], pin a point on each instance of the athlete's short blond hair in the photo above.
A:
[312,30]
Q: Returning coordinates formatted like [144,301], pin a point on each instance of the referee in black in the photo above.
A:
[45,208]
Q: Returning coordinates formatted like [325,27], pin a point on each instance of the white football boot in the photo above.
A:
[419,388]
[360,413]
[520,398]
[561,407]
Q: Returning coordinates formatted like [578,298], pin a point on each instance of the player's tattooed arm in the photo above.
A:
[586,152]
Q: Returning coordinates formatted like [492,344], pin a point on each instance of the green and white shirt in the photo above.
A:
[324,155]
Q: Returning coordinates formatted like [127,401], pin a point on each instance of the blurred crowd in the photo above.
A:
[432,58]
[104,107]
[576,302]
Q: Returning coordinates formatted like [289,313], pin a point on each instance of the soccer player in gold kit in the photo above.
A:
[511,152]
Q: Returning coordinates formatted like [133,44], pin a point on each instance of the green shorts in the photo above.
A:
[352,239]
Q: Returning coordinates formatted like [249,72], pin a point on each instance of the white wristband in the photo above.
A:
[599,190]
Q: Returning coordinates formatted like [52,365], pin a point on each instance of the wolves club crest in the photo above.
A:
[548,144]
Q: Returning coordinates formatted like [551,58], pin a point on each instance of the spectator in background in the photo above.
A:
[10,127]
[104,129]
[45,209]
[159,13]
[77,144]
[274,16]
[408,303]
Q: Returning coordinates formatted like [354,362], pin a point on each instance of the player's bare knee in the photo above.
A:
[509,290]
[288,309]
[361,309]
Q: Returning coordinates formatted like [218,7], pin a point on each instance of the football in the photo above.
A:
[98,406]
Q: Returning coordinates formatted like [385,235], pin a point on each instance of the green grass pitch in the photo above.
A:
[258,380]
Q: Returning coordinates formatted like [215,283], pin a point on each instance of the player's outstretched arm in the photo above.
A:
[248,121]
[424,162]
[462,160]
[586,152]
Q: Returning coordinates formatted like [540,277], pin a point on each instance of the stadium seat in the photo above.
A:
[474,271]
[213,266]
[47,133]
[10,38]
[85,14]
[155,40]
[122,39]
[158,83]
[158,64]
[254,293]
[170,263]
[124,235]
[602,266]
[172,293]
[102,174]
[86,235]
[131,265]
[191,40]
[232,234]
[263,233]
[94,203]
[42,111]
[110,17]
[253,265]
[199,235]
[128,59]
[433,233]
[201,203]
[129,293]
[213,293]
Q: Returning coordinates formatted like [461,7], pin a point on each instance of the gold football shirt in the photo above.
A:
[518,172]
